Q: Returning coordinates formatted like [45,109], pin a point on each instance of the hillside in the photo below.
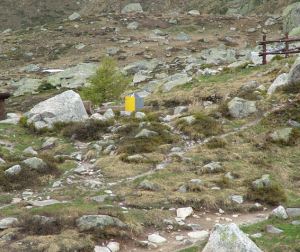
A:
[211,161]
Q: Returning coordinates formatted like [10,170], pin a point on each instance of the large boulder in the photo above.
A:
[91,222]
[132,8]
[65,107]
[291,17]
[294,74]
[229,238]
[240,108]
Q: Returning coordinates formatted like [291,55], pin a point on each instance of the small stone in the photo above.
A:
[74,16]
[109,114]
[280,213]
[180,109]
[8,222]
[14,170]
[198,235]
[156,238]
[30,151]
[194,13]
[213,167]
[293,212]
[35,164]
[184,212]
[296,222]
[273,230]
[257,235]
[140,115]
[114,246]
[147,185]
[237,199]
[146,133]
[101,249]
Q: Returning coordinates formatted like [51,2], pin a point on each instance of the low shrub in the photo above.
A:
[216,143]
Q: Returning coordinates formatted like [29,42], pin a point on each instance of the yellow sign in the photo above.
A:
[129,103]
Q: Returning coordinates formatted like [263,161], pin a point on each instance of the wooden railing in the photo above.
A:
[286,50]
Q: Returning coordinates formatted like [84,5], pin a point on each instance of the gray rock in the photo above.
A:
[2,161]
[156,238]
[14,170]
[212,167]
[131,8]
[257,235]
[91,222]
[218,55]
[184,212]
[42,203]
[138,66]
[280,213]
[26,86]
[273,230]
[194,13]
[11,118]
[282,135]
[296,223]
[240,108]
[30,68]
[109,114]
[140,77]
[176,80]
[182,36]
[291,17]
[262,182]
[30,151]
[98,117]
[293,123]
[198,235]
[180,109]
[237,199]
[133,25]
[74,16]
[136,158]
[73,77]
[146,133]
[294,74]
[65,107]
[35,164]
[50,142]
[100,198]
[149,186]
[229,238]
[189,119]
[140,115]
[114,246]
[101,249]
[280,81]
[111,51]
[8,222]
[293,212]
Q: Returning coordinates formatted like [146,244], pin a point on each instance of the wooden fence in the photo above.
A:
[286,50]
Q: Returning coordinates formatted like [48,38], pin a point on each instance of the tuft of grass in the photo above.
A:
[203,126]
[273,194]
[86,131]
[216,143]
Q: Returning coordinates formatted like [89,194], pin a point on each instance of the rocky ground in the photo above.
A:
[214,153]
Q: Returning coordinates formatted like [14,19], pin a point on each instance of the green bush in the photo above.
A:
[107,84]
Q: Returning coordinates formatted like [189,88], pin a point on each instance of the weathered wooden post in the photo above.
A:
[286,44]
[264,49]
[3,96]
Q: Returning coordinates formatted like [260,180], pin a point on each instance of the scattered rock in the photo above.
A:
[74,16]
[279,82]
[140,115]
[91,222]
[43,203]
[296,223]
[291,17]
[263,182]
[8,222]
[182,36]
[240,108]
[146,133]
[109,114]
[282,135]
[147,185]
[133,25]
[273,230]
[294,74]
[65,107]
[156,238]
[50,142]
[229,238]
[198,235]
[180,109]
[237,199]
[114,246]
[14,170]
[212,167]
[194,13]
[35,164]
[280,213]
[30,151]
[101,249]
[257,235]
[131,8]
[184,212]
[100,198]
[293,212]
[11,118]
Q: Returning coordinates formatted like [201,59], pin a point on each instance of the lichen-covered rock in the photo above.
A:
[291,17]
[294,74]
[91,222]
[280,81]
[229,238]
[35,164]
[240,108]
[65,107]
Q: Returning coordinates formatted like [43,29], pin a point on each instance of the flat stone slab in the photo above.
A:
[43,203]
